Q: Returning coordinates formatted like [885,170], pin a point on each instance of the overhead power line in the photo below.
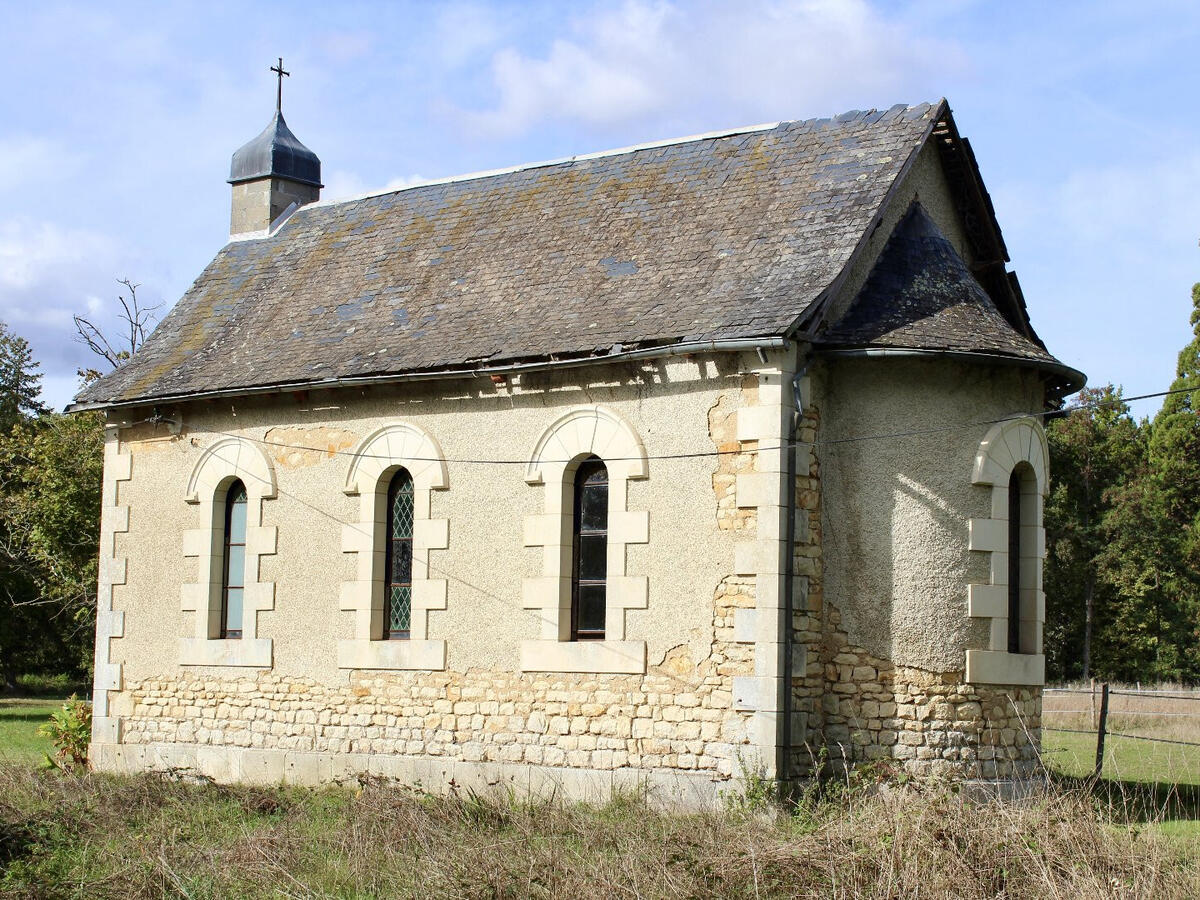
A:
[699,454]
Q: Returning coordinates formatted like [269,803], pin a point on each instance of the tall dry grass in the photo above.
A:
[100,836]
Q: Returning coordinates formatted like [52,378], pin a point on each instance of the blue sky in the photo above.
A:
[119,119]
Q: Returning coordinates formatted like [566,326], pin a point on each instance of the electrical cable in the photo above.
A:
[699,454]
[433,568]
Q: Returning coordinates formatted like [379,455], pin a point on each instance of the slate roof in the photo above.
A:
[739,235]
[921,295]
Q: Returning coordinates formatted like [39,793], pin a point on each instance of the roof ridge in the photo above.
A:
[844,118]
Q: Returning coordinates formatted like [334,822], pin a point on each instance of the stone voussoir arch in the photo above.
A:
[395,445]
[219,464]
[584,431]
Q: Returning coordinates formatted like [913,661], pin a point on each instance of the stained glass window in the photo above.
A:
[590,567]
[397,586]
[233,581]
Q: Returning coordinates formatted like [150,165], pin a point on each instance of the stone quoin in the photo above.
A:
[662,468]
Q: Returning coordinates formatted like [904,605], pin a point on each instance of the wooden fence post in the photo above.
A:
[1093,702]
[1103,725]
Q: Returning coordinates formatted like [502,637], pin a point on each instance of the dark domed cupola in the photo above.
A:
[271,173]
[276,153]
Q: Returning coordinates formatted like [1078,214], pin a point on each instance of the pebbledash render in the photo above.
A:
[658,469]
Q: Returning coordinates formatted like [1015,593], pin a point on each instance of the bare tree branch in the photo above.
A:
[138,320]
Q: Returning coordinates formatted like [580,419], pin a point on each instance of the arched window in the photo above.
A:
[397,587]
[1022,486]
[590,546]
[233,577]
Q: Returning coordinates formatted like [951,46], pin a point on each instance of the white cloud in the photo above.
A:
[48,273]
[343,185]
[346,46]
[1113,203]
[29,251]
[750,61]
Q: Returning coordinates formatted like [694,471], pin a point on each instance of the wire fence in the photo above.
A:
[1157,717]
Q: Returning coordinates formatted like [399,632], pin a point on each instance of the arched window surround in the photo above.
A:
[1015,446]
[580,433]
[376,460]
[223,462]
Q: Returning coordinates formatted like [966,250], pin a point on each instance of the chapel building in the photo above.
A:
[658,468]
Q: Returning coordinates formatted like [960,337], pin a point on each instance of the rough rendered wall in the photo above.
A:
[885,555]
[307,719]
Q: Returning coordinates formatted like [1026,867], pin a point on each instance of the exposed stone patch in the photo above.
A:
[677,660]
[735,457]
[150,437]
[679,716]
[284,445]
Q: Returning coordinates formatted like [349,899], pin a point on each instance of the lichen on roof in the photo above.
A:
[921,294]
[737,235]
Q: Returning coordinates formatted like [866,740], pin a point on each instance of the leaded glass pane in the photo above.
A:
[233,576]
[237,513]
[399,608]
[401,571]
[398,571]
[402,507]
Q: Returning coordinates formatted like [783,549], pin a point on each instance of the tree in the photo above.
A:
[1175,444]
[50,479]
[137,321]
[22,627]
[20,381]
[1152,558]
[1093,448]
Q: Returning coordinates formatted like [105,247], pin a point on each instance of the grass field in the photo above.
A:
[19,721]
[147,836]
[1125,759]
[1134,835]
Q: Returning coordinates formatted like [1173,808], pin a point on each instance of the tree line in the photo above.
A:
[51,468]
[1122,573]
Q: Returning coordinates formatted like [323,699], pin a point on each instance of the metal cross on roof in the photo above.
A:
[279,88]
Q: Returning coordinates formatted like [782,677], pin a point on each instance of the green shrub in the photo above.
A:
[70,730]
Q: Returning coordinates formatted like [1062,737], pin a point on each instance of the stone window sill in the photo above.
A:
[608,657]
[424,655]
[998,667]
[248,652]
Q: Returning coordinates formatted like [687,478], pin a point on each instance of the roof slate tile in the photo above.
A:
[705,239]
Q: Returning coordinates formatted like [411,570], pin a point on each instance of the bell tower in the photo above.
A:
[271,173]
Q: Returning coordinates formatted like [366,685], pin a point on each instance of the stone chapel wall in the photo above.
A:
[675,725]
